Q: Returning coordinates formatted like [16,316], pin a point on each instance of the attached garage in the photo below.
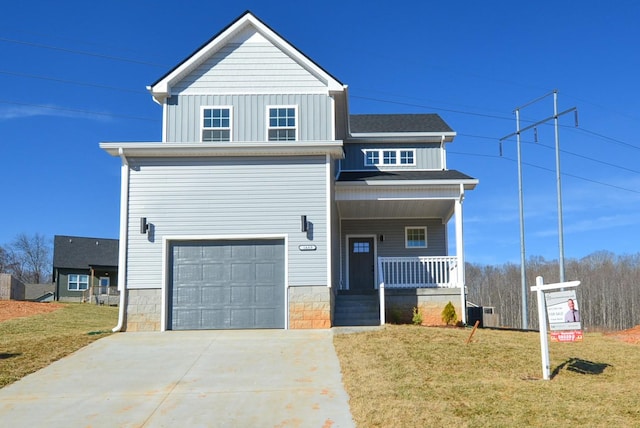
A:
[226,284]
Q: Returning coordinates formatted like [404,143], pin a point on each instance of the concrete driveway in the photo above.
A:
[257,378]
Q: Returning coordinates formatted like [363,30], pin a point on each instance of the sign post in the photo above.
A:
[540,288]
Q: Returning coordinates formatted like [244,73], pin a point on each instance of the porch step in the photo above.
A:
[356,310]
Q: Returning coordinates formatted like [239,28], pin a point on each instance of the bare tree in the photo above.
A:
[32,257]
[609,293]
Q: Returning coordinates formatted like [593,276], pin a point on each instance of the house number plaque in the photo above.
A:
[307,247]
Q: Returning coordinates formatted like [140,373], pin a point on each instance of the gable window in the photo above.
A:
[389,157]
[216,124]
[415,237]
[78,282]
[282,124]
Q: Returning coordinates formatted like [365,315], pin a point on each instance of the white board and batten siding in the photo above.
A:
[232,196]
[249,116]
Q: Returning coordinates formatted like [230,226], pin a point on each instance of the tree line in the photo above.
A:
[28,258]
[608,295]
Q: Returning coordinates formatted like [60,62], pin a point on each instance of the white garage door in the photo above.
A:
[227,284]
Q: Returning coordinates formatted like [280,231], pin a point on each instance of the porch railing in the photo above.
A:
[418,272]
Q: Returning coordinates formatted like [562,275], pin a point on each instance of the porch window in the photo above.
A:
[216,124]
[78,282]
[415,237]
[282,123]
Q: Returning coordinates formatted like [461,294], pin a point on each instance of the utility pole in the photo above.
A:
[519,131]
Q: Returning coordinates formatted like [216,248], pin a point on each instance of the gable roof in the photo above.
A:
[161,89]
[396,123]
[81,253]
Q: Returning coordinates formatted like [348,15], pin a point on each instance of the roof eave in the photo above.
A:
[430,137]
[141,149]
[469,183]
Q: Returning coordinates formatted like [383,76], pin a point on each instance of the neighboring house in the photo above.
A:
[85,269]
[267,205]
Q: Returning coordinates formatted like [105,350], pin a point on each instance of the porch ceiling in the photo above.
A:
[428,208]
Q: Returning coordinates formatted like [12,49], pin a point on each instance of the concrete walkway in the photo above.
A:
[257,378]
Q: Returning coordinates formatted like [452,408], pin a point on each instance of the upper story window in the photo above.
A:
[282,123]
[390,157]
[78,282]
[216,124]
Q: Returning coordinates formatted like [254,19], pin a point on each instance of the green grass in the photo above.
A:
[31,343]
[408,376]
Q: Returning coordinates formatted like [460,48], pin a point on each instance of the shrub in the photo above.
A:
[449,314]
[417,316]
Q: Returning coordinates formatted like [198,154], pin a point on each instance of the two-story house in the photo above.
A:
[266,202]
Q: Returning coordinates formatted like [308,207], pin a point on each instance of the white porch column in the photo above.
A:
[460,253]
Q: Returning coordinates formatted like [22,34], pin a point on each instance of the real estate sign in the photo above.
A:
[563,314]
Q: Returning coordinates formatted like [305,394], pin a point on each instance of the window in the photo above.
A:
[78,282]
[216,124]
[372,157]
[360,247]
[406,157]
[282,124]
[415,237]
[389,157]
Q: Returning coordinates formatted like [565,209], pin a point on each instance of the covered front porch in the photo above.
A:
[394,239]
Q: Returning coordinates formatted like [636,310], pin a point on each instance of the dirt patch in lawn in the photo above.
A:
[10,309]
[631,335]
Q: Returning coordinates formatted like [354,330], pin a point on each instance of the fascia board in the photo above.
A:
[469,184]
[138,149]
[162,89]
[435,137]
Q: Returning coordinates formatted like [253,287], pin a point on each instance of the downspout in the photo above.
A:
[460,253]
[124,234]
[443,154]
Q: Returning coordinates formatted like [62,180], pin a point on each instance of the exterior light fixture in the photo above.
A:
[304,225]
[144,226]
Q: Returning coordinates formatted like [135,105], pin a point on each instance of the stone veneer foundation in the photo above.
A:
[309,307]
[143,310]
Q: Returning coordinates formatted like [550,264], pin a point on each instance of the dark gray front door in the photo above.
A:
[227,284]
[361,264]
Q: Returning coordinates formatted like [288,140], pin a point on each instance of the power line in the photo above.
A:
[78,52]
[546,169]
[72,82]
[72,110]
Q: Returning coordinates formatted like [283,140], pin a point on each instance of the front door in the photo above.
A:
[361,264]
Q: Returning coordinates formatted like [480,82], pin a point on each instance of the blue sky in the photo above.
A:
[73,74]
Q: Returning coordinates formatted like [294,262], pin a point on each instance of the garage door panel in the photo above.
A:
[227,284]
[215,295]
[243,273]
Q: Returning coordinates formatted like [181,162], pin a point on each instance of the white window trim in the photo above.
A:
[79,275]
[406,237]
[201,119]
[297,117]
[381,157]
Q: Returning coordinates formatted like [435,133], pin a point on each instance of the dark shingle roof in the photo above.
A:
[374,123]
[402,175]
[78,252]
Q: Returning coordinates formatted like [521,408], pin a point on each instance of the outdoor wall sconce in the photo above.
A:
[144,226]
[381,238]
[304,225]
